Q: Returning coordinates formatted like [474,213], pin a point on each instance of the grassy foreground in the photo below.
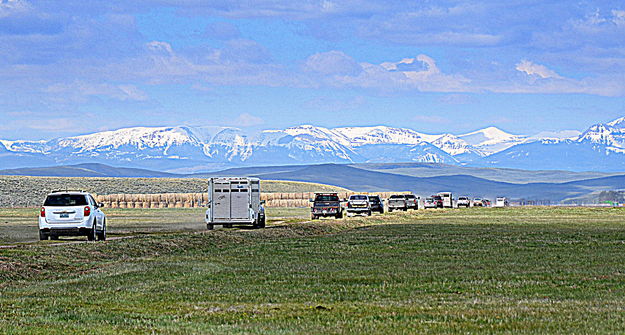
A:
[516,270]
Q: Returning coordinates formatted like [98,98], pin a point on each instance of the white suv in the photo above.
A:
[71,213]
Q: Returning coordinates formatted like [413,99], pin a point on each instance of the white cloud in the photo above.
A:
[536,69]
[247,120]
[9,7]
[79,91]
[332,62]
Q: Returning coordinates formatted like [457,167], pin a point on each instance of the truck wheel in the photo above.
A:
[228,225]
[313,217]
[42,235]
[339,215]
[54,237]
[368,213]
[209,226]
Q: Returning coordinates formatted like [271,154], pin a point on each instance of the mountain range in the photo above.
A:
[185,149]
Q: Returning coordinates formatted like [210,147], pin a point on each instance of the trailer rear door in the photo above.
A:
[221,201]
[240,200]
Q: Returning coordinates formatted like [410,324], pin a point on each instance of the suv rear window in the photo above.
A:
[66,200]
[396,196]
[358,197]
[326,197]
[410,196]
[374,199]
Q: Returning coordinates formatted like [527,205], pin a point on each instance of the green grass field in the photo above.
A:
[514,270]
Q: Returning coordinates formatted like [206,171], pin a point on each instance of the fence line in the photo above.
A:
[193,200]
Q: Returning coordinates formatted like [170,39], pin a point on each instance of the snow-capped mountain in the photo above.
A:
[600,148]
[457,147]
[204,148]
[492,140]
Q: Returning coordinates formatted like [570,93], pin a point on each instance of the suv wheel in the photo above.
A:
[91,235]
[313,217]
[102,233]
[43,235]
[210,226]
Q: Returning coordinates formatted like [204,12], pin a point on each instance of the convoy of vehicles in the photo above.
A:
[358,204]
[71,213]
[326,204]
[234,201]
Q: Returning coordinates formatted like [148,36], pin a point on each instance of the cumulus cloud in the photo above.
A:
[332,62]
[9,7]
[536,69]
[247,120]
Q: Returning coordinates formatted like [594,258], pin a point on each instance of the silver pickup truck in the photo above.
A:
[358,204]
[397,202]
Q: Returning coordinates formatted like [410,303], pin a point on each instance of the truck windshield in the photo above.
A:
[358,197]
[66,200]
[327,197]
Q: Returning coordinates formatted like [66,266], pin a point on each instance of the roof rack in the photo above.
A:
[68,190]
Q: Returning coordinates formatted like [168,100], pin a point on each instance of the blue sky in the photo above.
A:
[73,67]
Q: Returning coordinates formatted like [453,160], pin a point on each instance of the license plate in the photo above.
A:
[325,212]
[64,216]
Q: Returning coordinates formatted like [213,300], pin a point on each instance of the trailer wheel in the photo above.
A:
[210,226]
[260,223]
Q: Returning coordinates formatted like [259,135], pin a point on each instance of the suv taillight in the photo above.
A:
[87,211]
[43,212]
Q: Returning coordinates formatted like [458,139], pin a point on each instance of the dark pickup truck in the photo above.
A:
[326,204]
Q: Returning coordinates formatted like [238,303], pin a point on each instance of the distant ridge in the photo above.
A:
[86,170]
[422,178]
